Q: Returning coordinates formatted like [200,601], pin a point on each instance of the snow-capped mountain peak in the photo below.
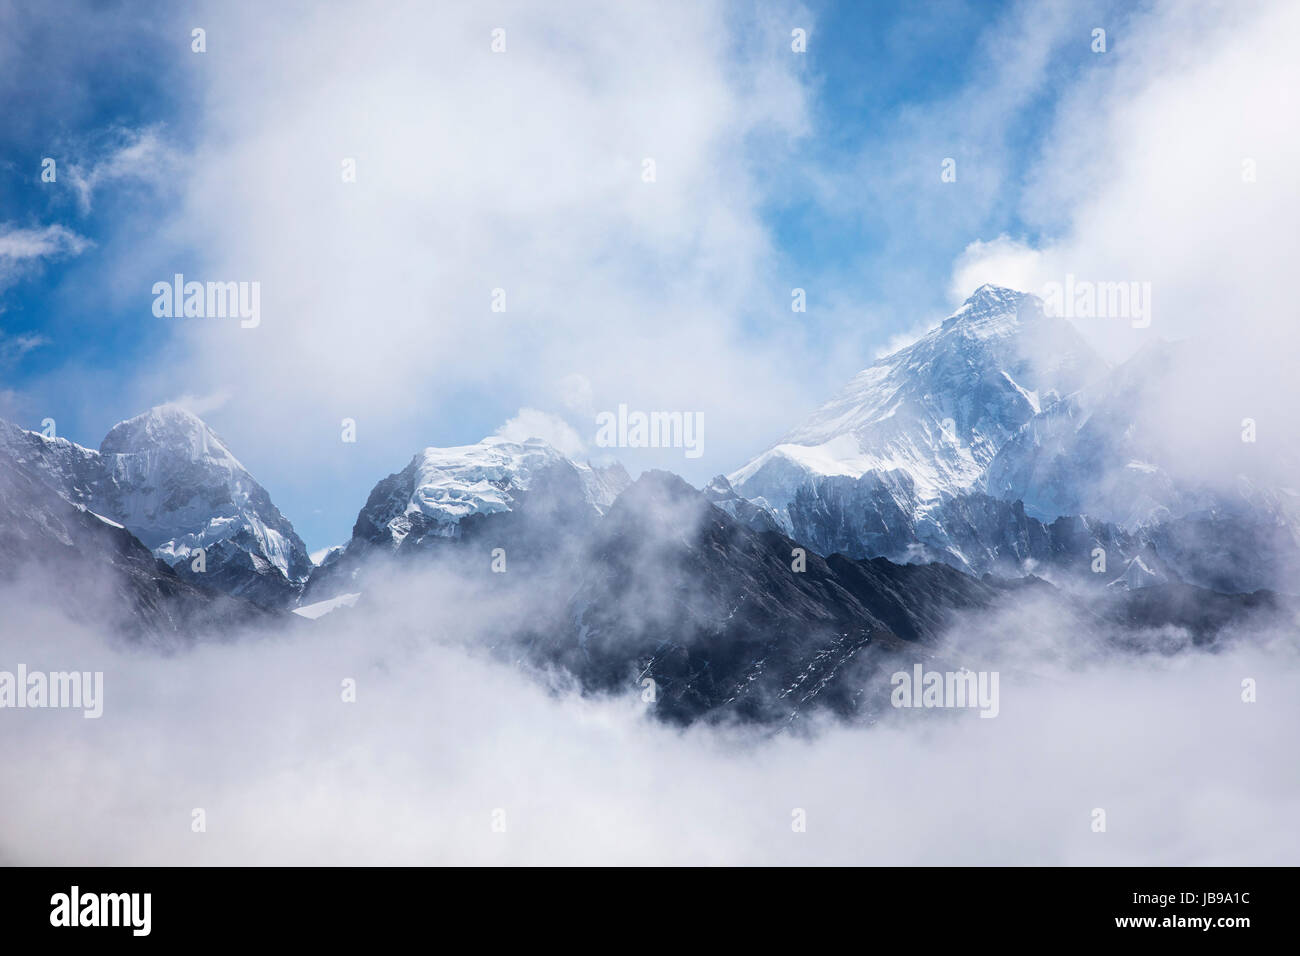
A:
[524,493]
[990,301]
[175,431]
[177,485]
[441,487]
[929,417]
[173,483]
[451,483]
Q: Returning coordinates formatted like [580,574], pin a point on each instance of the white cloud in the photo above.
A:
[1141,178]
[576,394]
[898,174]
[442,734]
[16,346]
[555,431]
[1144,177]
[477,171]
[17,243]
[1002,261]
[201,405]
[141,155]
[23,248]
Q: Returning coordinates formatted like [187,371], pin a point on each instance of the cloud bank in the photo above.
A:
[444,739]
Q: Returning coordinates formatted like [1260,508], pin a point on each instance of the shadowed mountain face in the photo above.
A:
[726,619]
[60,554]
[730,622]
[1217,515]
[716,614]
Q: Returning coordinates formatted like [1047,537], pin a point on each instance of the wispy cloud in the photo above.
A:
[532,423]
[140,155]
[54,240]
[202,404]
[23,248]
[16,346]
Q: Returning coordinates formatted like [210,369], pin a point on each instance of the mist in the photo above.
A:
[449,737]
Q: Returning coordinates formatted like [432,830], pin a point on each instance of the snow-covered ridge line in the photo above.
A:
[171,481]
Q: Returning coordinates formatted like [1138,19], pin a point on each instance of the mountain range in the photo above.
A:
[1000,441]
[996,458]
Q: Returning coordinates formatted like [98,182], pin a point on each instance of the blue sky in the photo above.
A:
[818,170]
